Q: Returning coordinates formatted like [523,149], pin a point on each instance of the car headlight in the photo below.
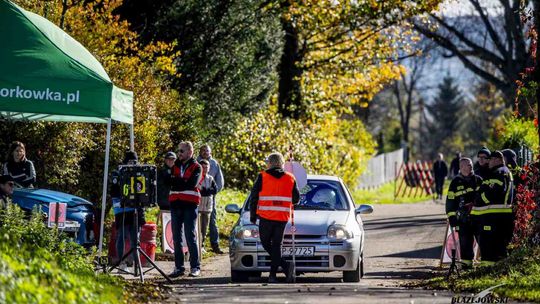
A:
[339,232]
[247,232]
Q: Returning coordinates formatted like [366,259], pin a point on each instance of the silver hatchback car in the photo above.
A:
[329,234]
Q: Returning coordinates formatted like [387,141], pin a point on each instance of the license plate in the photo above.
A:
[298,251]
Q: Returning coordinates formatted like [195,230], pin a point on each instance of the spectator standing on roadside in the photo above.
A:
[163,174]
[185,196]
[208,190]
[454,165]
[205,152]
[440,171]
[19,167]
[481,167]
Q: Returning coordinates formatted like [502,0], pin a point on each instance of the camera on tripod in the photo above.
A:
[137,185]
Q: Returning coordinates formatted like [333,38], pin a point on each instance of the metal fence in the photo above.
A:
[381,169]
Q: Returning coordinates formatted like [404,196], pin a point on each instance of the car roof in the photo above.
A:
[323,177]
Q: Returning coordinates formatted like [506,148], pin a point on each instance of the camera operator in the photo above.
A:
[163,174]
[459,202]
[124,217]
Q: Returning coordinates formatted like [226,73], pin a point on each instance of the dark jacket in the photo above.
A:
[483,172]
[257,187]
[460,198]
[497,188]
[178,183]
[454,167]
[23,172]
[163,188]
[440,169]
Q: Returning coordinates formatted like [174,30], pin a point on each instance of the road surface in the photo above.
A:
[403,244]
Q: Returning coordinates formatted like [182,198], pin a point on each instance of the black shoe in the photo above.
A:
[176,273]
[216,249]
[272,279]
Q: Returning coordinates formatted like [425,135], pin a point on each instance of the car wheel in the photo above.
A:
[239,276]
[355,275]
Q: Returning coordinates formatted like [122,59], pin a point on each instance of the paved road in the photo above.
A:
[403,243]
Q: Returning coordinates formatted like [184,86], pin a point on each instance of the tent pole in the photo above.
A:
[105,181]
[131,138]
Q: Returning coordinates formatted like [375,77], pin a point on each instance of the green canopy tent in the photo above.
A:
[47,75]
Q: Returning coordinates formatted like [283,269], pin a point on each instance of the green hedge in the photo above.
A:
[41,265]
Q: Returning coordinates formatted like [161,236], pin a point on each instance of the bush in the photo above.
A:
[328,145]
[41,265]
[514,132]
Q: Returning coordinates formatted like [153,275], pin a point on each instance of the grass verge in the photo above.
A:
[520,274]
[385,195]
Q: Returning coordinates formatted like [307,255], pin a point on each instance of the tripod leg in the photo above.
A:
[155,266]
[138,265]
[115,265]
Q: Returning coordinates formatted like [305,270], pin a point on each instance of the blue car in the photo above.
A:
[80,212]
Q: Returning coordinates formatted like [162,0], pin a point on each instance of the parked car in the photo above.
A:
[329,234]
[80,212]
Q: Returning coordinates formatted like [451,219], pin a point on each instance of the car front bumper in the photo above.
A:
[249,255]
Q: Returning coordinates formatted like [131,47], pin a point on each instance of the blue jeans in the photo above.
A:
[126,230]
[214,233]
[184,214]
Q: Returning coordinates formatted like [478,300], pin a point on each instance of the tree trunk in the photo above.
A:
[290,95]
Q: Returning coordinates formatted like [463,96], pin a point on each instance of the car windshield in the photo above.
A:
[320,195]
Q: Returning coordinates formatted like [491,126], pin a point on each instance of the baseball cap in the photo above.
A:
[497,154]
[484,150]
[170,154]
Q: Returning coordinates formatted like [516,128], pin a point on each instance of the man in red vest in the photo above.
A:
[272,198]
[184,199]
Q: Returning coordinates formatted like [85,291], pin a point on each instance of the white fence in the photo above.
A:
[381,169]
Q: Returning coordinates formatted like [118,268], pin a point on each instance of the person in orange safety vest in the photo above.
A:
[271,201]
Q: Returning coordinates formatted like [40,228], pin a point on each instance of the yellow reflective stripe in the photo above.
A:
[499,208]
[493,181]
[487,228]
[450,195]
[484,198]
[451,213]
[507,195]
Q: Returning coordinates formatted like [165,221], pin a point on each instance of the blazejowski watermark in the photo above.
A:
[45,95]
[476,299]
[485,296]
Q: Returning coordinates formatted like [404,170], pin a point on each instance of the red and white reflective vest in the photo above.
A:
[188,195]
[275,197]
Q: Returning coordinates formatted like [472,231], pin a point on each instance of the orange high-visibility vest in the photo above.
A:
[275,197]
[191,195]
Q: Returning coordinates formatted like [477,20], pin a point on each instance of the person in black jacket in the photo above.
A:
[481,167]
[163,188]
[18,167]
[459,202]
[493,211]
[440,171]
[454,165]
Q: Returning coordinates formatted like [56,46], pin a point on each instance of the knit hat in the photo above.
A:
[510,157]
[497,154]
[485,151]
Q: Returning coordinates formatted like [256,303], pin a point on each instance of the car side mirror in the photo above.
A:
[232,208]
[364,209]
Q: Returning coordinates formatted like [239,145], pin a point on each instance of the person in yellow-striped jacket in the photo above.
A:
[493,212]
[459,202]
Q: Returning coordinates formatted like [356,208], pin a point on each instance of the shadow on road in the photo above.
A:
[396,224]
[426,253]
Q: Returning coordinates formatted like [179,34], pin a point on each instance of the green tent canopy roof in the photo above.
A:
[45,74]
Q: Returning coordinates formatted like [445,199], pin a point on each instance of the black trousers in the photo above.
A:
[495,235]
[271,234]
[439,183]
[466,232]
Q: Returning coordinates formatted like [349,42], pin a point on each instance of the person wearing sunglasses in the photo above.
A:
[6,190]
[481,167]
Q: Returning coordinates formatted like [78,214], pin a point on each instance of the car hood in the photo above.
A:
[311,222]
[48,196]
